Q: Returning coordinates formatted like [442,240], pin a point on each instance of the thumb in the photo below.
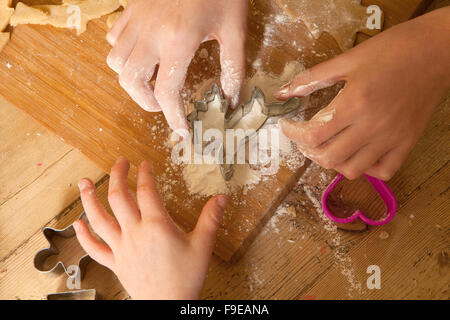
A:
[321,76]
[209,222]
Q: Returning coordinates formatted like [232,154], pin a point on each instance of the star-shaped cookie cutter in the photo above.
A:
[234,118]
[42,255]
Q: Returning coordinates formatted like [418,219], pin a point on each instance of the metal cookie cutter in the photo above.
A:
[257,107]
[44,254]
[88,294]
[381,188]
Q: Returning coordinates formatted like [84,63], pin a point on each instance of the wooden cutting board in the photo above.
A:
[62,80]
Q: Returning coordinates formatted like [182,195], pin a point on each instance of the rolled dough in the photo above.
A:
[206,179]
[112,18]
[59,15]
[342,19]
[5,14]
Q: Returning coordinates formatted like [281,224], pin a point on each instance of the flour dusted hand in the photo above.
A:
[168,33]
[393,83]
[150,255]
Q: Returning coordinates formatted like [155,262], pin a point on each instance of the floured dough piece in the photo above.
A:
[340,18]
[5,14]
[112,18]
[64,15]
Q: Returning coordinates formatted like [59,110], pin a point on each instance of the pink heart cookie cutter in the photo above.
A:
[383,191]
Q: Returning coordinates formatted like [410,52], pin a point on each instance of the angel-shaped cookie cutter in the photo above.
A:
[42,255]
[383,191]
[260,110]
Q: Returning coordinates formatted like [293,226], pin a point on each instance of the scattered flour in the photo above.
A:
[343,260]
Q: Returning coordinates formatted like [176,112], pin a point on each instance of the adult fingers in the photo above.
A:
[148,197]
[119,197]
[103,224]
[209,222]
[96,249]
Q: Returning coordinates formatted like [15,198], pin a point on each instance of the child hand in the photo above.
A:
[168,33]
[150,255]
[393,83]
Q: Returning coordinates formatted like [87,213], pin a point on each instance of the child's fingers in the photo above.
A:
[148,197]
[119,54]
[387,166]
[232,60]
[318,77]
[364,159]
[311,134]
[135,77]
[341,147]
[96,249]
[119,26]
[122,203]
[103,224]
[209,222]
[172,71]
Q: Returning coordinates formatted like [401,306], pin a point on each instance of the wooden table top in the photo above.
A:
[297,256]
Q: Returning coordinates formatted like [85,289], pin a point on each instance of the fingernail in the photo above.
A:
[148,165]
[84,184]
[284,90]
[76,224]
[222,202]
[120,159]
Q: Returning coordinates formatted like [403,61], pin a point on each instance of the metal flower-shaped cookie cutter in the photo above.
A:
[42,255]
[383,191]
[235,119]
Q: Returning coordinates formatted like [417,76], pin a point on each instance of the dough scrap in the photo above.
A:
[342,19]
[112,18]
[5,13]
[60,15]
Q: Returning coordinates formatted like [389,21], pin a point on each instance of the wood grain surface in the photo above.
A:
[62,80]
[296,256]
